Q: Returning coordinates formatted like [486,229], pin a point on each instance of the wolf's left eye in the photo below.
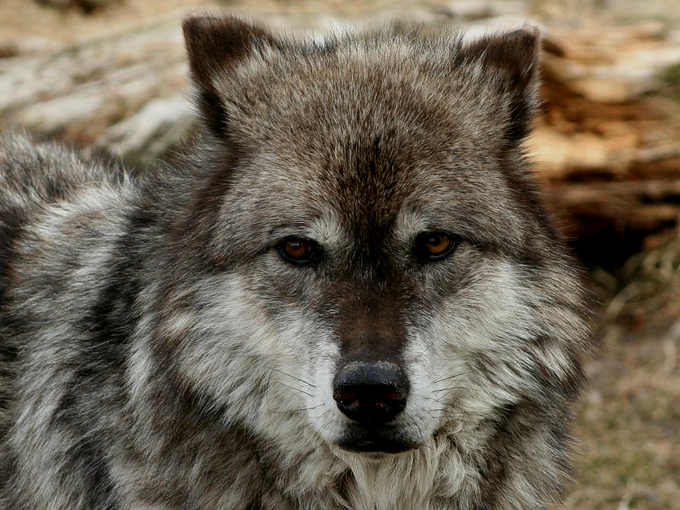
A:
[434,245]
[298,250]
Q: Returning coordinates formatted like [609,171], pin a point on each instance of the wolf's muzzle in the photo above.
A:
[371,393]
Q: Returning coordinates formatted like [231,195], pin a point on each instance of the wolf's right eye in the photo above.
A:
[433,246]
[298,250]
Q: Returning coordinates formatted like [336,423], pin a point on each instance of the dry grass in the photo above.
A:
[628,423]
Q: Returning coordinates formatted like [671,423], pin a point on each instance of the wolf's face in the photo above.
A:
[378,267]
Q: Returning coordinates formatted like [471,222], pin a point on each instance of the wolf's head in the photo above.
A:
[369,259]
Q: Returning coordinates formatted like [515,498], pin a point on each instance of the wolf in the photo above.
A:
[345,294]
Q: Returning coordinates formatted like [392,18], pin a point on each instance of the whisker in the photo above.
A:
[415,423]
[450,377]
[294,377]
[430,397]
[431,413]
[323,414]
[295,411]
[324,424]
[448,389]
[296,389]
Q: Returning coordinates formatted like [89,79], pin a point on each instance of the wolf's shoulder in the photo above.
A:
[34,171]
[50,197]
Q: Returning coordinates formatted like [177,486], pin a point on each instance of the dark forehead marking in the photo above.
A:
[369,186]
[367,161]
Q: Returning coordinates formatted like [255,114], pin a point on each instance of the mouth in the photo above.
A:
[361,439]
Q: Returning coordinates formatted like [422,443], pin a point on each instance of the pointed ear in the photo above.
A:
[514,57]
[215,46]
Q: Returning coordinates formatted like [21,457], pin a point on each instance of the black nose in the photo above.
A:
[371,393]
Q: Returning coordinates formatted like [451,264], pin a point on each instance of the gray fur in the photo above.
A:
[156,351]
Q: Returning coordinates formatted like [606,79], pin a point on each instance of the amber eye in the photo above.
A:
[434,245]
[298,250]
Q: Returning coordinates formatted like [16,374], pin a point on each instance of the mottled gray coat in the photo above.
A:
[157,351]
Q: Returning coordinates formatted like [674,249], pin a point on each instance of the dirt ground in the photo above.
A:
[628,421]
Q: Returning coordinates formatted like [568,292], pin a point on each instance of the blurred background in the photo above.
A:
[111,75]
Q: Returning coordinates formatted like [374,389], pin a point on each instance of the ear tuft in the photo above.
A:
[215,45]
[515,56]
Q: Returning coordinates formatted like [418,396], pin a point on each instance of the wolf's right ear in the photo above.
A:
[215,46]
[512,61]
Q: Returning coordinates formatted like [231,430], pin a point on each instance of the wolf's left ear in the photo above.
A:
[215,46]
[513,61]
